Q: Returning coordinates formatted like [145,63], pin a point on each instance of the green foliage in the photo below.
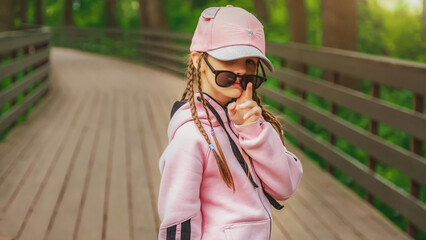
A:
[127,14]
[91,13]
[277,29]
[53,12]
[314,22]
[392,32]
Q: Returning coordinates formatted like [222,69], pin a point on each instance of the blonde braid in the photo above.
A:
[224,170]
[189,76]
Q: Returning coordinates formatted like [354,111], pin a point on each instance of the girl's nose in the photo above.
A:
[240,68]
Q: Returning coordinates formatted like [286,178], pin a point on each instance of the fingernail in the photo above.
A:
[245,116]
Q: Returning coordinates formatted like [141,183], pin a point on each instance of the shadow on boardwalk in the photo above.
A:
[85,164]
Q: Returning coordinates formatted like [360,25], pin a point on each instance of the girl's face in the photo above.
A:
[239,66]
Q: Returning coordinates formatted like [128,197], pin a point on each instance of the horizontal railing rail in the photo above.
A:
[169,50]
[24,71]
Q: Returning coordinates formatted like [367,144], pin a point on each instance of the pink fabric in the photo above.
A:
[226,26]
[192,189]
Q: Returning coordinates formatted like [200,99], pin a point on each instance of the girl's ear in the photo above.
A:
[195,59]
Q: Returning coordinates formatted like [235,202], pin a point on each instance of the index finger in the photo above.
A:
[249,91]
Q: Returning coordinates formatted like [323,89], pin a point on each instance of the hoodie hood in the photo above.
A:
[181,113]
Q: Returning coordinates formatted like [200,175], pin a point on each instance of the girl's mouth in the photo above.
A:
[237,84]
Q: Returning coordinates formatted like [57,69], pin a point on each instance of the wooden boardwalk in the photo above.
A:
[85,164]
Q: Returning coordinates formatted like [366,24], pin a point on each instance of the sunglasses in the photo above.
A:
[227,78]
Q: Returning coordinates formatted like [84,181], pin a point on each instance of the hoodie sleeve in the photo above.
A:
[279,169]
[181,167]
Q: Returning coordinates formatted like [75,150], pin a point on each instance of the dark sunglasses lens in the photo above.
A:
[225,79]
[255,80]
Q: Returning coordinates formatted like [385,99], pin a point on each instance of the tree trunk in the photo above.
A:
[340,31]
[155,13]
[110,13]
[297,15]
[297,19]
[143,13]
[261,12]
[339,24]
[23,11]
[68,18]
[6,15]
[38,12]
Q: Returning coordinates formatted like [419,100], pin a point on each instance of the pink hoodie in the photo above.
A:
[194,202]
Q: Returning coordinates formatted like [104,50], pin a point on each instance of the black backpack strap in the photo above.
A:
[176,106]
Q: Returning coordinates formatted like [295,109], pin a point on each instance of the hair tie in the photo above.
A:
[211,146]
[213,132]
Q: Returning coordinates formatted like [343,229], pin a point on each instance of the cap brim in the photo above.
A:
[240,51]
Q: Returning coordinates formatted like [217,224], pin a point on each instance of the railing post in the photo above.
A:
[372,162]
[334,78]
[416,148]
[282,88]
[300,67]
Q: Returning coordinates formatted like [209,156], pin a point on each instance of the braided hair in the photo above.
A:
[193,74]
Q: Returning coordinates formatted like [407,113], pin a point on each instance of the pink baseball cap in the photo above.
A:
[228,33]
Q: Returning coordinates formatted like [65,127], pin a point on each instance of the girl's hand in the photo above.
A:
[244,110]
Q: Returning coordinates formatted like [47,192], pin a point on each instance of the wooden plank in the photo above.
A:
[44,207]
[22,160]
[117,225]
[292,223]
[165,56]
[15,136]
[169,46]
[385,70]
[21,208]
[19,87]
[277,233]
[22,136]
[161,107]
[90,225]
[143,213]
[400,201]
[160,64]
[25,62]
[17,110]
[358,102]
[8,44]
[311,218]
[63,220]
[407,162]
[151,156]
[363,218]
[318,208]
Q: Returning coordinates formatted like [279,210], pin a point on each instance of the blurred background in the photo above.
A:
[384,28]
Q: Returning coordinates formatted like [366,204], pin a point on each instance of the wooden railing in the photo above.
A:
[168,50]
[24,71]
[381,71]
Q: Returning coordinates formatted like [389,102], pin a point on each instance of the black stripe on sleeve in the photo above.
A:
[186,230]
[171,233]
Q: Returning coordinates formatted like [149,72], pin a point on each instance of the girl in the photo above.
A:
[226,163]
